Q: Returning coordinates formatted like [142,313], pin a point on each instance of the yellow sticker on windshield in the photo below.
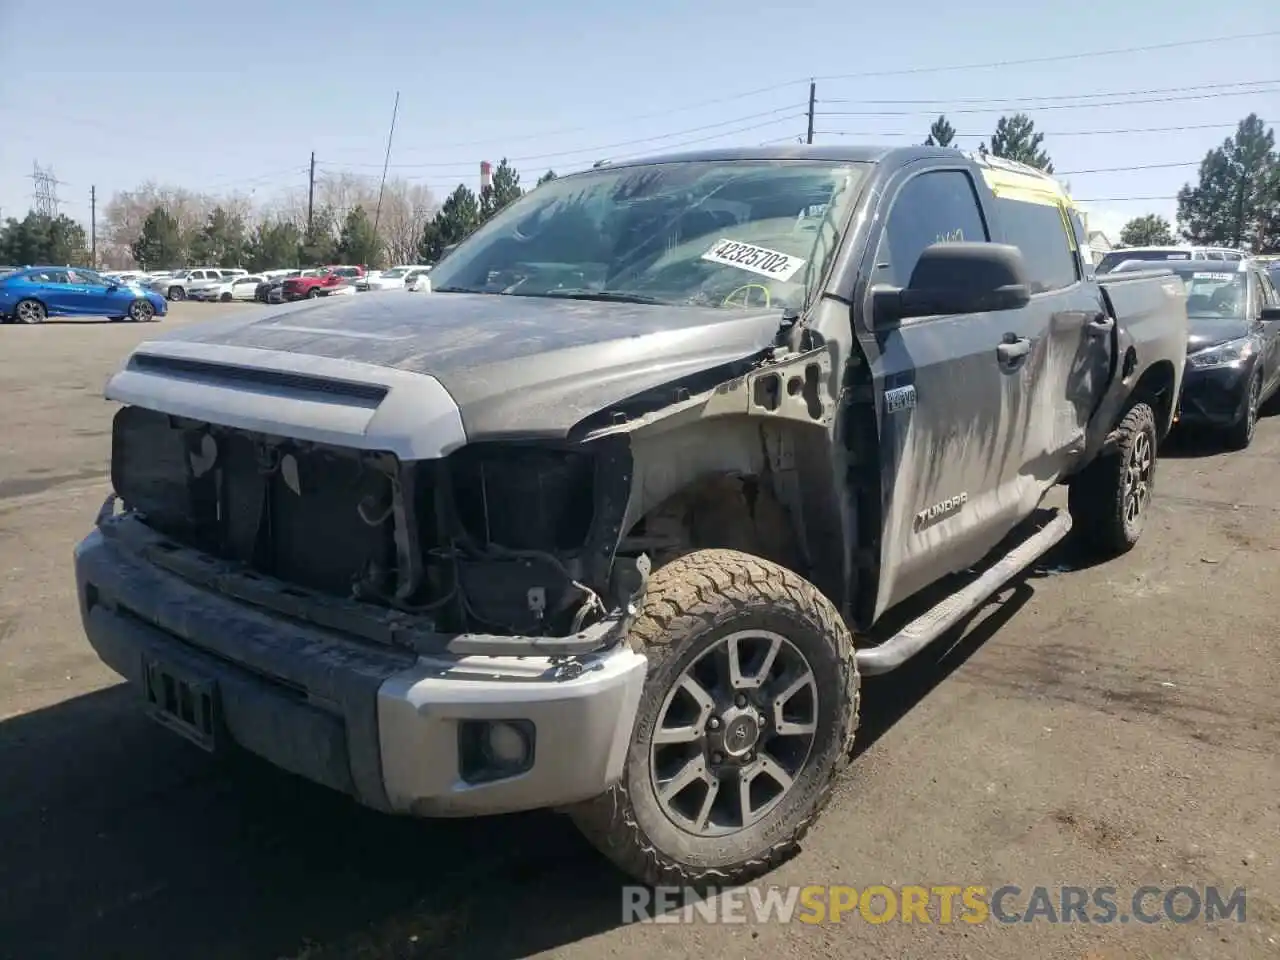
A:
[759,260]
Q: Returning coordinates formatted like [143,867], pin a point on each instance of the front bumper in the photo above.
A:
[1214,397]
[391,729]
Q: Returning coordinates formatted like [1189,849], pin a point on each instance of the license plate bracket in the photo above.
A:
[182,701]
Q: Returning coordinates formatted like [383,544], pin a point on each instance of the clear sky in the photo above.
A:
[235,96]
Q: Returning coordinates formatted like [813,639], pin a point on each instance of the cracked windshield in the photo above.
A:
[745,234]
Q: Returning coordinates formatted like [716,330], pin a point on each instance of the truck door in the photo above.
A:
[949,393]
[1268,296]
[1071,328]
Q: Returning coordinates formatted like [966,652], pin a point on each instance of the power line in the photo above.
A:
[1048,106]
[778,115]
[664,148]
[1071,96]
[1057,58]
[1140,166]
[785,84]
[1048,133]
[603,148]
[1120,199]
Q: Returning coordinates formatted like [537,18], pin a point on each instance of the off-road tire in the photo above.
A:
[691,603]
[1096,497]
[176,293]
[30,311]
[1240,434]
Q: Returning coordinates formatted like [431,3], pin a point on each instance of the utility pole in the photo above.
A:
[813,100]
[93,227]
[311,193]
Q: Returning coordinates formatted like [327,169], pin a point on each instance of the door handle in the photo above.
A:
[1013,349]
[1099,325]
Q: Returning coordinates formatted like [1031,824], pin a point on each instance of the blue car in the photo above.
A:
[31,294]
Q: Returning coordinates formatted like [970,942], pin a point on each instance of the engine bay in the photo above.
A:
[497,538]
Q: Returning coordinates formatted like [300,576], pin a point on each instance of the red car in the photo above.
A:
[302,288]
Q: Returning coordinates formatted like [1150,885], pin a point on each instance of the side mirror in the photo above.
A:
[112,286]
[1270,313]
[954,278]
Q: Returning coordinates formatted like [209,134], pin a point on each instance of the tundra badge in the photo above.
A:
[948,507]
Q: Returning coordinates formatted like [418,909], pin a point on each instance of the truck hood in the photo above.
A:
[1205,332]
[514,366]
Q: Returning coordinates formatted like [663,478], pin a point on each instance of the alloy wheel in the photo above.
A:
[734,733]
[1137,479]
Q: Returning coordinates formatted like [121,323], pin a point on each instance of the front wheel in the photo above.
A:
[30,311]
[313,293]
[1108,500]
[177,293]
[748,713]
[1240,435]
[141,311]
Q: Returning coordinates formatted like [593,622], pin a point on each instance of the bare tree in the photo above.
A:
[288,206]
[406,209]
[342,192]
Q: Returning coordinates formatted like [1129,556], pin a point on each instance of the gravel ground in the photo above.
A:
[1105,725]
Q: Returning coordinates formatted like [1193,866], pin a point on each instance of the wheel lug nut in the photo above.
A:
[713,723]
[740,699]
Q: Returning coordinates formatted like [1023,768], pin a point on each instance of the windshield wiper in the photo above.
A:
[608,296]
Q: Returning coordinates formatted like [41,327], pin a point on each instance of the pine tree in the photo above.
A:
[504,189]
[358,243]
[1016,139]
[941,133]
[160,245]
[457,217]
[1237,200]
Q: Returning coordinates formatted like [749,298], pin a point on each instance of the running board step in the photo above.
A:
[932,624]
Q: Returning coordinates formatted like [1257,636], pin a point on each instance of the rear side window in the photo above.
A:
[935,207]
[49,276]
[1040,232]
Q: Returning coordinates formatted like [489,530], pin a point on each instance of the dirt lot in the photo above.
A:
[1111,725]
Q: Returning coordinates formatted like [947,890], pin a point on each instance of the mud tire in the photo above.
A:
[691,603]
[1097,496]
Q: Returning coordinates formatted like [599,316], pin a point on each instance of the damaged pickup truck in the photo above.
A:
[610,521]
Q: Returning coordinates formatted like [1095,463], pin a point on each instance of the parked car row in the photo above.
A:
[282,286]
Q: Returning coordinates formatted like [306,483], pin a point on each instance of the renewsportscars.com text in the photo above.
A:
[941,904]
